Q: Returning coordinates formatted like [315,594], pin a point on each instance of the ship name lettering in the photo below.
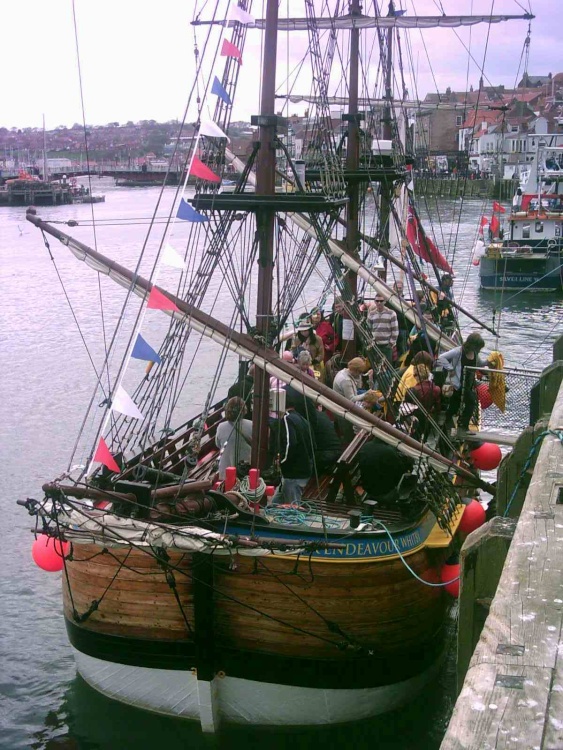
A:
[518,278]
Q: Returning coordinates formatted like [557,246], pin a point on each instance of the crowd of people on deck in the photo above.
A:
[397,374]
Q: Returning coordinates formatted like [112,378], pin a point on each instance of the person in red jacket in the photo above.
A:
[324,329]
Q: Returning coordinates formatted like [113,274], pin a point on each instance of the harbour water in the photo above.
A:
[47,381]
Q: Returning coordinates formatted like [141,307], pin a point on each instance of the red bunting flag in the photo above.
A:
[158,301]
[497,207]
[229,50]
[484,221]
[103,456]
[198,169]
[494,226]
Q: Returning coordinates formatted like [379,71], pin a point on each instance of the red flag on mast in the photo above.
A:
[423,245]
[494,226]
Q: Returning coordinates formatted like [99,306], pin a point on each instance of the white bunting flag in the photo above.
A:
[172,258]
[123,403]
[207,127]
[236,13]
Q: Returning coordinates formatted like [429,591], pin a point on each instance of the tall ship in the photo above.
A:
[526,251]
[188,589]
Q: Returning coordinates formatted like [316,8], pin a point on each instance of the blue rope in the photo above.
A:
[535,445]
[405,563]
[298,514]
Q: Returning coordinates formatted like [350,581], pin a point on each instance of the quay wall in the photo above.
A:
[444,187]
[512,691]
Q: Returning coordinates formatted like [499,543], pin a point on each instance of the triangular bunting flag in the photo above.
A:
[207,127]
[498,207]
[229,50]
[236,13]
[144,351]
[124,404]
[172,258]
[198,169]
[187,213]
[219,91]
[103,456]
[158,301]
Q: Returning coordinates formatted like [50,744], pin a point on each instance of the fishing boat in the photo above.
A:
[188,594]
[528,252]
[82,194]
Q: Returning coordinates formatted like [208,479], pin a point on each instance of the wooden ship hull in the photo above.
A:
[252,637]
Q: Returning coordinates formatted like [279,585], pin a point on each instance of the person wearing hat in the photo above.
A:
[384,327]
[307,340]
[347,382]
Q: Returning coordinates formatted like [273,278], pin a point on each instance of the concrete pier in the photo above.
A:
[454,187]
[512,694]
[23,192]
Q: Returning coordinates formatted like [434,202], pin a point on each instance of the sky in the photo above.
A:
[136,59]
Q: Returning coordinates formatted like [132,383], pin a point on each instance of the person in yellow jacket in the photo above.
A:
[408,379]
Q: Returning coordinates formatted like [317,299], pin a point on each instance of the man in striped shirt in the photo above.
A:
[384,327]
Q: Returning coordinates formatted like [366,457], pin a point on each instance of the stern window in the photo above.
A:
[539,227]
[526,232]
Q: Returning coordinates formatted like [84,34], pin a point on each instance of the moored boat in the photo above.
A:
[529,255]
[189,593]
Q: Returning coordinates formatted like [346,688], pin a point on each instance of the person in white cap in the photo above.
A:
[307,340]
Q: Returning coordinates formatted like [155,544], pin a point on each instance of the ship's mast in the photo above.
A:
[265,185]
[352,163]
[387,135]
[45,165]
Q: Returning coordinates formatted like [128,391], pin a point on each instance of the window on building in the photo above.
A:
[459,121]
[514,128]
